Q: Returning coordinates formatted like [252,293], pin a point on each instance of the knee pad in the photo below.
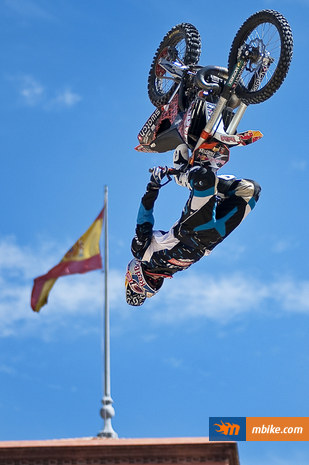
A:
[180,156]
[256,189]
[248,189]
[201,179]
[180,160]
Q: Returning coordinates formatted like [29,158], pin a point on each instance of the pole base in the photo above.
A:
[107,412]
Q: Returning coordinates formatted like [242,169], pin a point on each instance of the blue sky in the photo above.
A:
[229,337]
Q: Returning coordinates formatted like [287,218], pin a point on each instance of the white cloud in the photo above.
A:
[78,294]
[67,98]
[29,9]
[204,296]
[187,296]
[174,362]
[299,164]
[31,91]
[281,245]
[34,94]
[292,295]
[225,297]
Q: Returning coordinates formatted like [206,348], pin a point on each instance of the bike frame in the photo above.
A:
[168,126]
[177,69]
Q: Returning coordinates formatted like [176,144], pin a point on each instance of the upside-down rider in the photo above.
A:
[216,206]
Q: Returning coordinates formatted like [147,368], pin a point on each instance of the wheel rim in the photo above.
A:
[265,44]
[176,51]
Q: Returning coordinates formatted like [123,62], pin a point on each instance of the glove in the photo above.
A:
[157,175]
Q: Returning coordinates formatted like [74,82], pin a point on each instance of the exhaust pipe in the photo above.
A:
[203,73]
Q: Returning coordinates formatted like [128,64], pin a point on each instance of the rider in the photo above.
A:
[216,206]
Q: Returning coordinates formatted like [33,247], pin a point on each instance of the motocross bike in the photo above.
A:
[202,106]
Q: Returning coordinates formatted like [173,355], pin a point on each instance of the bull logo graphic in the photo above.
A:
[228,428]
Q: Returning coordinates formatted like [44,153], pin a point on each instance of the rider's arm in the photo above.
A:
[145,222]
[145,218]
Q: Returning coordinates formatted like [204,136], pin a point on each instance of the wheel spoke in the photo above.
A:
[266,37]
[176,51]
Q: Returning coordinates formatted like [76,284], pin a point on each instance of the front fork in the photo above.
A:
[229,86]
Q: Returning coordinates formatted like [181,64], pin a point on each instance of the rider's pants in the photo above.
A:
[216,206]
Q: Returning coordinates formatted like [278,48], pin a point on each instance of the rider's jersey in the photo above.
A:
[166,254]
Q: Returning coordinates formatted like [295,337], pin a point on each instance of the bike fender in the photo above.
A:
[242,138]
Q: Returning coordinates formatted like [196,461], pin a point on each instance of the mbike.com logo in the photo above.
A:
[259,428]
[227,428]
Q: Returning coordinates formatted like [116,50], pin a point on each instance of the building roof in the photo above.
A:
[120,451]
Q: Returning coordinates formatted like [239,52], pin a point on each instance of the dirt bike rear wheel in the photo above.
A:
[269,33]
[182,42]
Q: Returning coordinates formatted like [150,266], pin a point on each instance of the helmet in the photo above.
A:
[137,287]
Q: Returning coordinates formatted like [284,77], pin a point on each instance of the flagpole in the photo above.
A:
[107,411]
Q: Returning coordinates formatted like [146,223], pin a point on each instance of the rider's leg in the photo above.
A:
[195,226]
[240,197]
[205,220]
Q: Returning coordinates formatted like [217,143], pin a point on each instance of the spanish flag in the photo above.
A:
[84,256]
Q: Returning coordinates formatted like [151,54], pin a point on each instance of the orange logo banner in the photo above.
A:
[259,428]
[277,429]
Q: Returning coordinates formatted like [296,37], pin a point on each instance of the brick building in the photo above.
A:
[95,451]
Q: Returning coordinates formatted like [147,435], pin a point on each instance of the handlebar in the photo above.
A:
[171,171]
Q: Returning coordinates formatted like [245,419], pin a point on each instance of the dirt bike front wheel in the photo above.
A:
[268,37]
[183,44]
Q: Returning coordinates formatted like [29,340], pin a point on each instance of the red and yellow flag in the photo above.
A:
[84,256]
